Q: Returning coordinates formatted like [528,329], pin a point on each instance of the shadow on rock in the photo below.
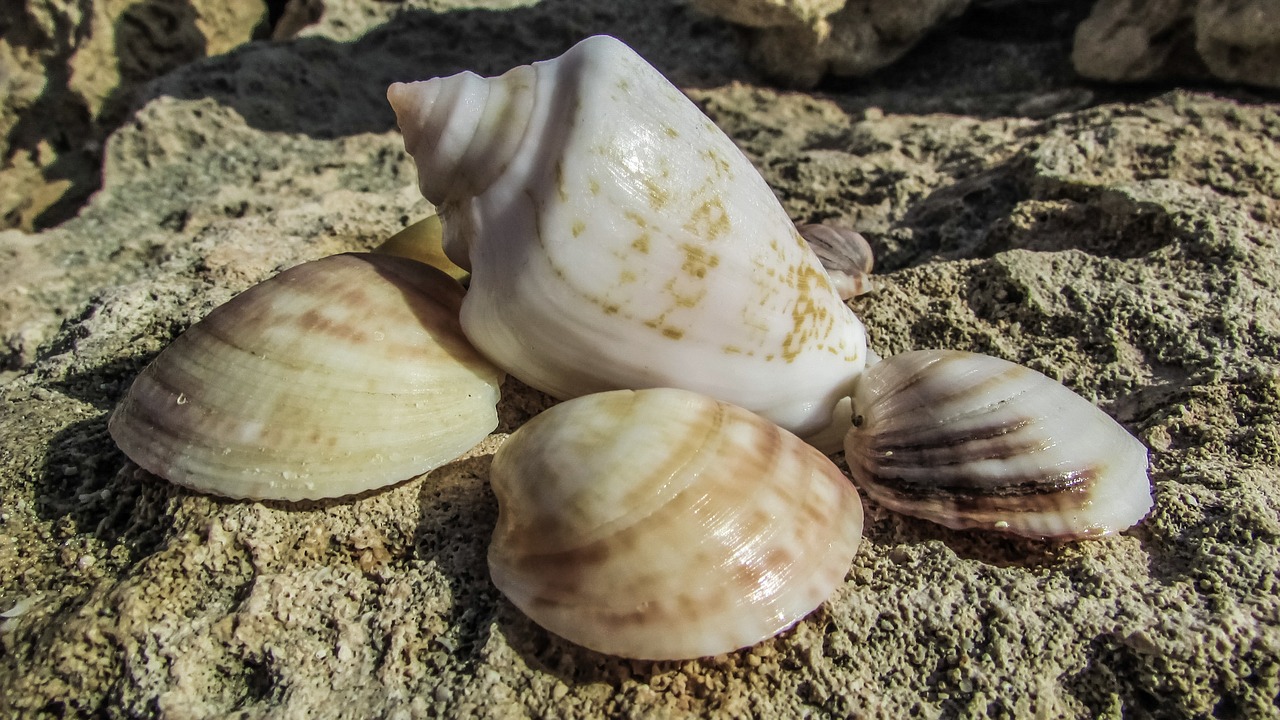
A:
[519,404]
[327,89]
[88,486]
[455,522]
[1009,206]
[1127,674]
[902,536]
[104,385]
[574,665]
[999,58]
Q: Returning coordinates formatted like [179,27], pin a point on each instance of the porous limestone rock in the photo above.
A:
[69,71]
[800,41]
[770,13]
[1133,40]
[1240,40]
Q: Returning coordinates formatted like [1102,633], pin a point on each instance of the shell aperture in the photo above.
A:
[973,441]
[662,524]
[618,239]
[337,376]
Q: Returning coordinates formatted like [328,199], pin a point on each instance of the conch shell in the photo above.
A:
[973,441]
[617,238]
[662,524]
[334,377]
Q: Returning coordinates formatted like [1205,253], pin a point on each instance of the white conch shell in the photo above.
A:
[973,441]
[618,239]
[662,524]
[334,377]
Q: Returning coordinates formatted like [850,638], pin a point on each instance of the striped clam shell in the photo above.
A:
[662,524]
[972,441]
[335,377]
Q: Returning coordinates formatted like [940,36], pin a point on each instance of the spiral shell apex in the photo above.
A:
[662,524]
[973,441]
[334,377]
[618,239]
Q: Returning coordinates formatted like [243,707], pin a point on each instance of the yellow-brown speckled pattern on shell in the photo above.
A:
[777,266]
[627,242]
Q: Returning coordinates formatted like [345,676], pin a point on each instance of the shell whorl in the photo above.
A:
[464,130]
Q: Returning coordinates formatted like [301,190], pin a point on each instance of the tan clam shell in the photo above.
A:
[334,377]
[973,441]
[662,524]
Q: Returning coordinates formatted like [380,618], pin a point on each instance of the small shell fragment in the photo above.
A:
[973,441]
[845,255]
[662,524]
[332,378]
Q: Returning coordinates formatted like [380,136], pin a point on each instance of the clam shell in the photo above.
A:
[973,441]
[662,524]
[618,239]
[334,377]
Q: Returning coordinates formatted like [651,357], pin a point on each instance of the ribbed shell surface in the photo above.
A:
[334,377]
[661,524]
[972,441]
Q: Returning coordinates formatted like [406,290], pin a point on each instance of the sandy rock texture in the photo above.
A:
[1233,40]
[68,74]
[1125,242]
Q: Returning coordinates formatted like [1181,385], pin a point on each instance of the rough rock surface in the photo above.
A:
[1233,40]
[1128,245]
[68,73]
[800,41]
[770,13]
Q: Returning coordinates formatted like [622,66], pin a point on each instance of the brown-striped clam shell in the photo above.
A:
[662,524]
[334,377]
[972,441]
